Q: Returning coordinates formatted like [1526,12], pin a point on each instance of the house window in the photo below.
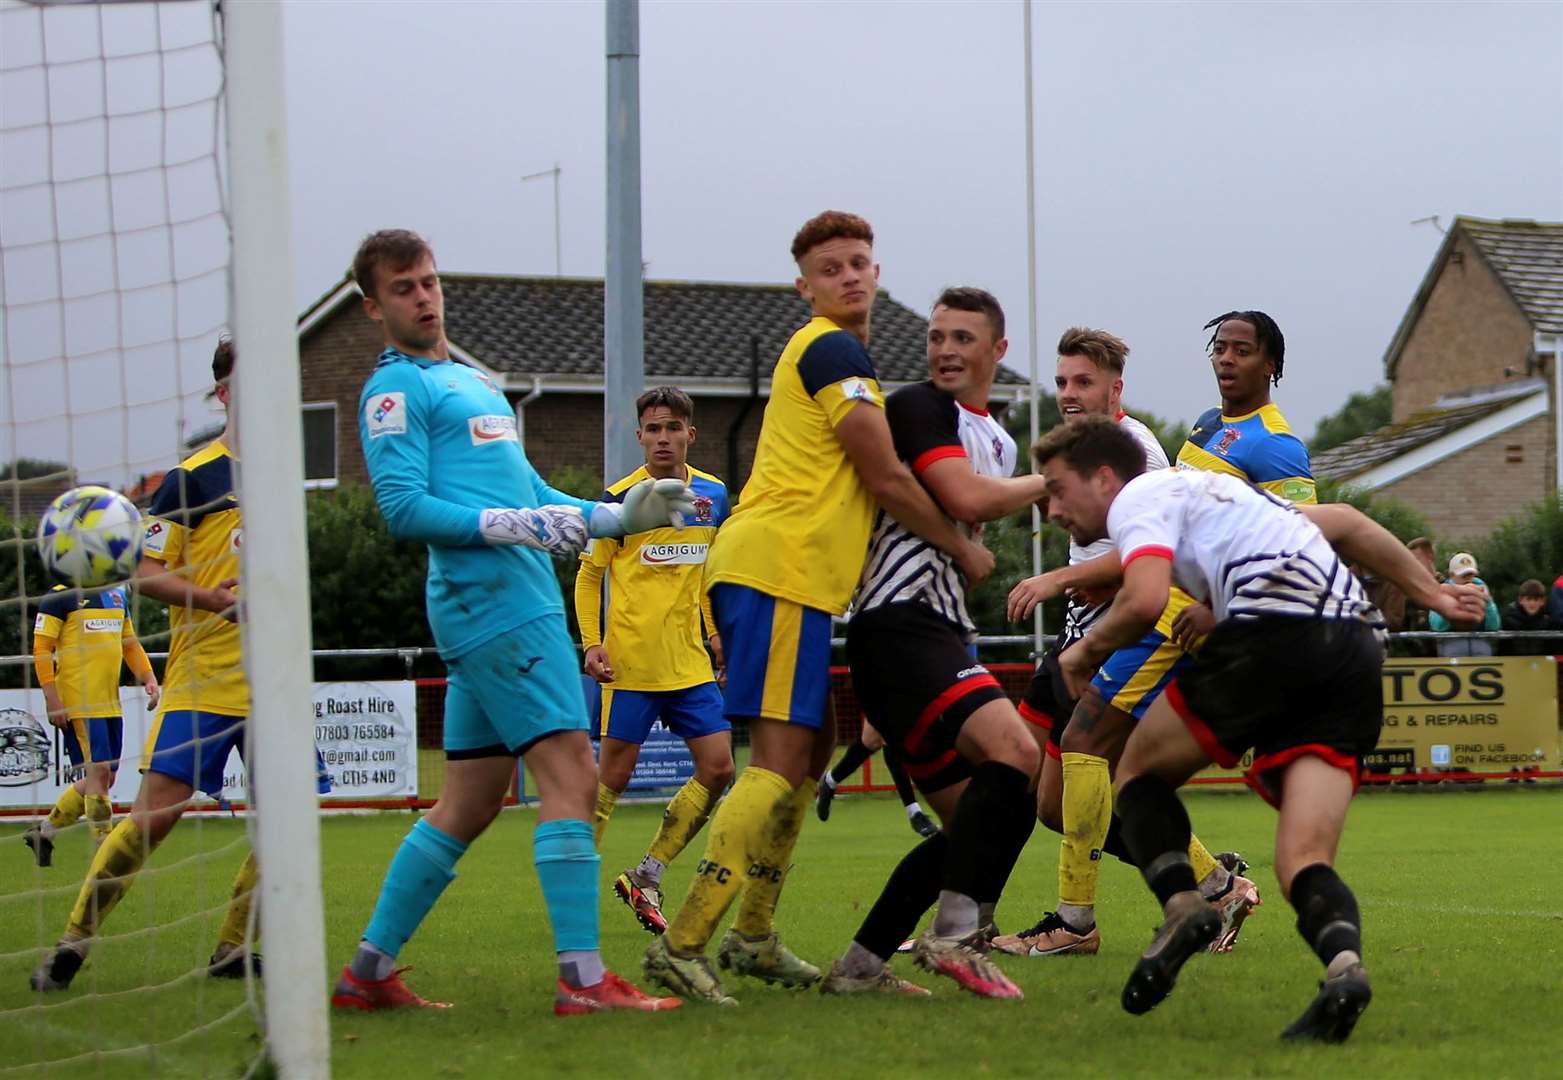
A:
[320,445]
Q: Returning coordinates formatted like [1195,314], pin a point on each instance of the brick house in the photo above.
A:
[1473,377]
[541,340]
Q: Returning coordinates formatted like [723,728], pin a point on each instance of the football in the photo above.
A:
[90,536]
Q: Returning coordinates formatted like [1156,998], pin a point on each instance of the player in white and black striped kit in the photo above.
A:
[1292,671]
[909,647]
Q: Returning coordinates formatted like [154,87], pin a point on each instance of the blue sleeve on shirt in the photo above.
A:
[398,462]
[1279,457]
[832,357]
[59,604]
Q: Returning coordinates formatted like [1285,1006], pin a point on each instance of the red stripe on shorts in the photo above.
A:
[930,713]
[1199,729]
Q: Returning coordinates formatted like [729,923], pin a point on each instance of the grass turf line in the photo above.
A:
[1463,934]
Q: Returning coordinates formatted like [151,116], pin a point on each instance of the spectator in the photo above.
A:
[1463,571]
[1528,612]
[1413,616]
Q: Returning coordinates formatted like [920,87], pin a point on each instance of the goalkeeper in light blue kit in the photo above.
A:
[448,469]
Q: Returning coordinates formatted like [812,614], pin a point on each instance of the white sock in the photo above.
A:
[957,915]
[827,781]
[1080,917]
[1215,882]
[371,964]
[912,810]
[581,967]
[1342,961]
[650,870]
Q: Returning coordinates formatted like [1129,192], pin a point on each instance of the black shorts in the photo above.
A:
[1287,688]
[1047,704]
[917,682]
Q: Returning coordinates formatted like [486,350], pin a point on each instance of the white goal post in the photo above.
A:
[275,559]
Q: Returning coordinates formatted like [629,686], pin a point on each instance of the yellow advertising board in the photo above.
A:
[1470,714]
[1475,714]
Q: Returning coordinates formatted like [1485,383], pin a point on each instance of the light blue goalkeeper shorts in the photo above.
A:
[513,690]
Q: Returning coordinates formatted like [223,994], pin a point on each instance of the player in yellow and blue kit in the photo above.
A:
[448,469]
[191,563]
[652,661]
[786,561]
[79,641]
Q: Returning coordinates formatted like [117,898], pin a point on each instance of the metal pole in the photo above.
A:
[275,586]
[1557,406]
[1031,303]
[624,364]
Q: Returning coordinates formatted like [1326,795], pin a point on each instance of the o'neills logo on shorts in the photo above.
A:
[492,428]
[673,554]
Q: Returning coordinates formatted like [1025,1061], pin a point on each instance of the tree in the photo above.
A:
[1402,520]
[1362,413]
[1528,545]
[366,588]
[32,468]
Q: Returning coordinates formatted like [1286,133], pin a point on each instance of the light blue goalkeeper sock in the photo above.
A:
[424,865]
[567,867]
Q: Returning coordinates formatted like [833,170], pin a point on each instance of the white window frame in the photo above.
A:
[325,483]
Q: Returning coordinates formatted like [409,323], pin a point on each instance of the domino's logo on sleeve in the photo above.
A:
[386,414]
[856,390]
[157,538]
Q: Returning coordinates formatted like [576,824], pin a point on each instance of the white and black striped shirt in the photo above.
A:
[1241,550]
[1080,617]
[929,425]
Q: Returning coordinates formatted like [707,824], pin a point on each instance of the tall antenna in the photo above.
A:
[553,172]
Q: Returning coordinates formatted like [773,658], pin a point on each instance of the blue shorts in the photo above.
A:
[1135,675]
[512,690]
[777,653]
[695,711]
[95,740]
[193,747]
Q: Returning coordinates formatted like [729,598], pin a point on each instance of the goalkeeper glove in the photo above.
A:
[650,504]
[563,531]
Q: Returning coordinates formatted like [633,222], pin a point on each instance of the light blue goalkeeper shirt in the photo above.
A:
[440,442]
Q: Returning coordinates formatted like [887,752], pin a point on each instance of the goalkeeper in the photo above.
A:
[447,466]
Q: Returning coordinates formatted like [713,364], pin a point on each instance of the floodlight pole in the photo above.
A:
[623,361]
[553,172]
[1031,305]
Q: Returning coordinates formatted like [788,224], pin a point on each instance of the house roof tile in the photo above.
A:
[1391,441]
[693,329]
[1528,257]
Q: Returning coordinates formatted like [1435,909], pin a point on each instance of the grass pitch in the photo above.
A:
[1460,896]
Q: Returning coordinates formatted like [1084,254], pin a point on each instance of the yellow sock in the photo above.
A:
[236,923]
[1088,811]
[114,867]
[1200,859]
[734,835]
[768,869]
[68,808]
[685,815]
[100,817]
[607,799]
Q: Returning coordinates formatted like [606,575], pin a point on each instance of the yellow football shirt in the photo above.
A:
[801,528]
[649,585]
[197,531]
[1258,447]
[90,635]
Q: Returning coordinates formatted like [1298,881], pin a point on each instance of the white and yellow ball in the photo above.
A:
[90,536]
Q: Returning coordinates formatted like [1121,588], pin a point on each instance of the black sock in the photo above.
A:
[1115,845]
[1327,915]
[1156,827]
[912,889]
[851,761]
[992,823]
[903,783]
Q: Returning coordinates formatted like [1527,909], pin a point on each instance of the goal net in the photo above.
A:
[142,221]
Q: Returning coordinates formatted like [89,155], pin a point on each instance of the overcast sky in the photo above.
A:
[1191,158]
